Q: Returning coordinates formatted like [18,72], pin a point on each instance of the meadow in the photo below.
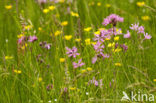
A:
[77,51]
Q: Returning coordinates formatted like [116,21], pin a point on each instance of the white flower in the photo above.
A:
[55,100]
[87,93]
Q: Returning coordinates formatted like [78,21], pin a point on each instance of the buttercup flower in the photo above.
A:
[87,29]
[45,11]
[140,4]
[8,7]
[68,37]
[64,23]
[145,18]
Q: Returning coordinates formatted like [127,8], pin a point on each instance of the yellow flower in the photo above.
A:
[118,30]
[24,46]
[18,71]
[89,69]
[74,14]
[57,15]
[108,5]
[93,43]
[145,18]
[40,79]
[91,3]
[102,29]
[140,4]
[8,7]
[116,50]
[99,4]
[154,80]
[97,32]
[87,29]
[87,41]
[78,40]
[118,64]
[20,35]
[51,7]
[62,60]
[28,27]
[64,23]
[45,11]
[57,33]
[68,37]
[40,29]
[61,1]
[116,38]
[8,57]
[111,44]
[107,38]
[83,71]
[72,88]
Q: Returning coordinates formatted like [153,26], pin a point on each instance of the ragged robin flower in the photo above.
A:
[72,52]
[79,64]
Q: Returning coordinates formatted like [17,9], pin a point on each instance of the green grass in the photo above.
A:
[138,65]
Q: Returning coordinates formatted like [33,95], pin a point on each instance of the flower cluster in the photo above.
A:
[73,53]
[140,30]
[112,19]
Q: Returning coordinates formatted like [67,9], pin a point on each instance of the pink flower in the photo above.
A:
[79,64]
[98,47]
[32,38]
[72,52]
[128,35]
[134,26]
[94,59]
[147,36]
[141,29]
[112,19]
[22,39]
[47,46]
